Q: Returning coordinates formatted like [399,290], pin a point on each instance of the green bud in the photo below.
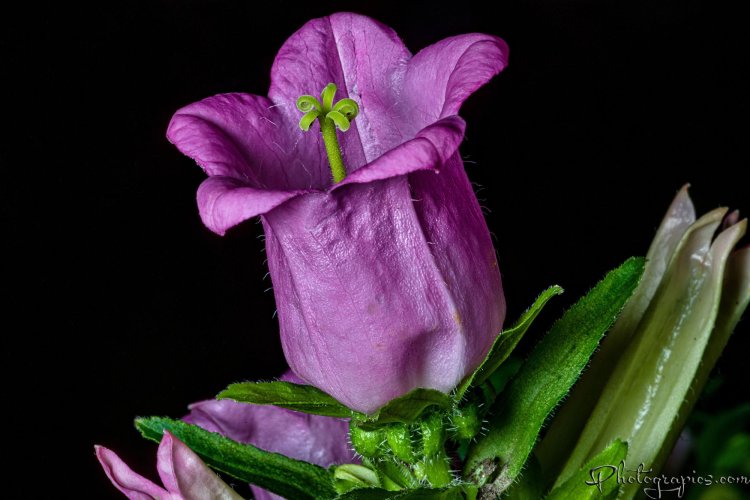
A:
[399,439]
[433,434]
[420,471]
[393,474]
[466,421]
[367,443]
[437,471]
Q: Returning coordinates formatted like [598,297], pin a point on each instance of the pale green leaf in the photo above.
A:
[297,397]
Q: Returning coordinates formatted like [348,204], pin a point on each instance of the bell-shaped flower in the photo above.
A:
[385,276]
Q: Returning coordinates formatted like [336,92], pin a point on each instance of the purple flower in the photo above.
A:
[319,440]
[386,281]
[184,475]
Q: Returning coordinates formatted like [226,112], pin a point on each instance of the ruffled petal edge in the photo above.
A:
[130,483]
[224,202]
[431,147]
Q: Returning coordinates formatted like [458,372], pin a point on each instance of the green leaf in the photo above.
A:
[298,397]
[506,342]
[547,375]
[449,493]
[722,447]
[277,473]
[505,373]
[407,408]
[735,455]
[368,494]
[721,492]
[528,485]
[596,479]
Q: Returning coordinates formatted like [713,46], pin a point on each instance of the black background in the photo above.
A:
[120,303]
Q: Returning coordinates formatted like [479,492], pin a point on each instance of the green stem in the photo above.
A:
[328,128]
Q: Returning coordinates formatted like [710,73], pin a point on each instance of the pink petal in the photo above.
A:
[255,143]
[427,151]
[442,76]
[224,202]
[133,485]
[365,59]
[358,284]
[245,137]
[320,440]
[465,259]
[185,474]
[261,494]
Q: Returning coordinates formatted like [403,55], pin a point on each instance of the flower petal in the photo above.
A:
[432,146]
[366,60]
[442,76]
[131,484]
[313,438]
[357,284]
[464,258]
[317,439]
[224,202]
[257,142]
[261,494]
[184,473]
[245,137]
[233,420]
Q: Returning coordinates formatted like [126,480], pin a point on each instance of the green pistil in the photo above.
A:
[331,116]
[328,129]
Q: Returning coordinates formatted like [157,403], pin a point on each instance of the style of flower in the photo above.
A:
[385,280]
